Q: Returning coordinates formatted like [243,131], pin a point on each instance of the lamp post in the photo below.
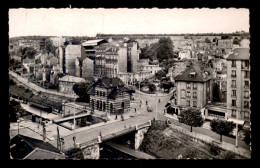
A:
[156,106]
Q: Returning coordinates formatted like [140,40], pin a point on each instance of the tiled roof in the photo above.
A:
[108,83]
[239,54]
[25,145]
[199,77]
[75,79]
[118,90]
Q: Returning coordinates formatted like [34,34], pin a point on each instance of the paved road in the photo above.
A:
[38,88]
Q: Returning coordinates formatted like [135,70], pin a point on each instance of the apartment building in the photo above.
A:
[193,88]
[238,85]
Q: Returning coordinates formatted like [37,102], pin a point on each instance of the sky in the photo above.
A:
[89,22]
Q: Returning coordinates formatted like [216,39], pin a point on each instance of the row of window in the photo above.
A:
[246,84]
[246,94]
[246,114]
[246,74]
[244,64]
[188,85]
[100,93]
[246,104]
[194,103]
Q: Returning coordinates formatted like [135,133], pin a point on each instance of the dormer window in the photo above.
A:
[192,74]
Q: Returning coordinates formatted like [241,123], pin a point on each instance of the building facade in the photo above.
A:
[72,52]
[109,95]
[238,85]
[66,84]
[193,88]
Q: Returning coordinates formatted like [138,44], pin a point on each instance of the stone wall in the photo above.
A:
[91,152]
[139,136]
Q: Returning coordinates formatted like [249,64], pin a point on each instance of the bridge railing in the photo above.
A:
[146,124]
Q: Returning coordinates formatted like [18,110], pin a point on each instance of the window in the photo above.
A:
[246,115]
[234,93]
[194,85]
[194,103]
[194,94]
[246,65]
[246,94]
[188,86]
[183,94]
[233,63]
[188,94]
[233,102]
[246,84]
[188,103]
[247,74]
[233,83]
[234,113]
[233,73]
[246,104]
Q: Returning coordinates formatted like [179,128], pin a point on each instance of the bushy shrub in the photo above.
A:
[214,150]
[229,155]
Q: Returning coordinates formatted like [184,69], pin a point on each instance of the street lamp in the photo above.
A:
[156,106]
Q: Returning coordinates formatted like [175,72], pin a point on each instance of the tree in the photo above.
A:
[222,127]
[247,137]
[226,36]
[143,54]
[160,74]
[151,87]
[207,40]
[49,47]
[216,93]
[165,49]
[81,90]
[236,41]
[191,117]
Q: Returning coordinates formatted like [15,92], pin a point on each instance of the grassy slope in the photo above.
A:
[166,143]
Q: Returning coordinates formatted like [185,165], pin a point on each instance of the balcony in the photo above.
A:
[234,96]
[246,87]
[244,67]
[233,86]
[246,97]
[233,76]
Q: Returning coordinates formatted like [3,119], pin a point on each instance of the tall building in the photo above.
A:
[72,52]
[113,58]
[238,85]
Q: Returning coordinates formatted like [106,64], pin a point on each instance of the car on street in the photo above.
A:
[149,109]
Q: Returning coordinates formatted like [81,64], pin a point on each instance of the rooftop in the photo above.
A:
[195,70]
[239,54]
[75,79]
[92,42]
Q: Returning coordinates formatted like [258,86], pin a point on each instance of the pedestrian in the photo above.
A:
[159,100]
[135,110]
[116,117]
[146,102]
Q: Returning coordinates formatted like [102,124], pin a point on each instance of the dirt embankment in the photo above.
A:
[163,142]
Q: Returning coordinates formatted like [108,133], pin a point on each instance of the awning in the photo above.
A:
[236,121]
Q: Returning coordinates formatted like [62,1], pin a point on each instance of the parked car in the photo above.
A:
[149,109]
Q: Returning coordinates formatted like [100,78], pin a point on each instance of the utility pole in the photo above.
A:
[156,106]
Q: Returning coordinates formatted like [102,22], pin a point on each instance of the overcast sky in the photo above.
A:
[89,22]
